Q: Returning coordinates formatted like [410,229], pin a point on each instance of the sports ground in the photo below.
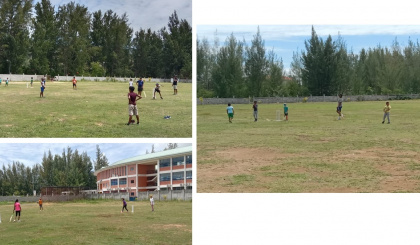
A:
[312,152]
[94,110]
[98,222]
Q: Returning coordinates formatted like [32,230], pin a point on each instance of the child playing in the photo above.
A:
[42,88]
[174,85]
[152,203]
[74,83]
[124,205]
[286,111]
[157,89]
[32,81]
[17,208]
[340,106]
[132,107]
[0,80]
[230,112]
[7,82]
[40,204]
[255,107]
[387,108]
[140,84]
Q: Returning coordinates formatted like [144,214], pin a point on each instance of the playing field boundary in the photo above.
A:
[297,99]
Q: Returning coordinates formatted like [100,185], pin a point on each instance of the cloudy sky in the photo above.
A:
[141,13]
[32,153]
[286,39]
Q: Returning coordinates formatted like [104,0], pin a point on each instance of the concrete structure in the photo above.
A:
[160,171]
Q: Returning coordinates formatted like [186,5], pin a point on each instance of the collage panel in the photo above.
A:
[308,108]
[96,69]
[106,193]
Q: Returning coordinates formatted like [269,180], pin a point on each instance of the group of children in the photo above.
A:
[230,111]
[17,208]
[152,204]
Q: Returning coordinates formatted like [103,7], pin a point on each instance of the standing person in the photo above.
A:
[40,204]
[387,109]
[0,80]
[152,203]
[124,205]
[17,208]
[42,88]
[175,85]
[132,107]
[140,84]
[32,81]
[74,83]
[255,107]
[286,111]
[7,82]
[230,112]
[130,83]
[157,89]
[340,106]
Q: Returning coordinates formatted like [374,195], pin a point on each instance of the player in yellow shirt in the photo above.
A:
[387,109]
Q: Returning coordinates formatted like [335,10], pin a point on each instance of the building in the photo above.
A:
[165,170]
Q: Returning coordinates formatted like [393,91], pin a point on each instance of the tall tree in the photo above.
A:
[101,159]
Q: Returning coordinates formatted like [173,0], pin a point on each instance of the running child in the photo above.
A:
[286,111]
[387,109]
[132,107]
[140,84]
[17,208]
[152,203]
[340,106]
[255,107]
[40,204]
[174,85]
[42,88]
[157,89]
[124,205]
[74,83]
[230,112]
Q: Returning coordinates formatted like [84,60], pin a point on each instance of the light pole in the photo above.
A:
[9,65]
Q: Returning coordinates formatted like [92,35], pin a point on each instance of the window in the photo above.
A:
[178,176]
[189,159]
[177,161]
[189,175]
[114,182]
[165,177]
[132,181]
[123,181]
[165,163]
[132,193]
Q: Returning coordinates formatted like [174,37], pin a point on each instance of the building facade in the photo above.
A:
[165,170]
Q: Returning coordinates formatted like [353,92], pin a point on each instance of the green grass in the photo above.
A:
[312,152]
[95,109]
[98,222]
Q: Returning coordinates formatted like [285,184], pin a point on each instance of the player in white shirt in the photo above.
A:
[152,203]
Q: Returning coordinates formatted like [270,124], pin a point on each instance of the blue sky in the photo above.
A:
[32,153]
[286,39]
[143,14]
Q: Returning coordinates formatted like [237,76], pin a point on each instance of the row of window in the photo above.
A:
[176,176]
[122,181]
[176,161]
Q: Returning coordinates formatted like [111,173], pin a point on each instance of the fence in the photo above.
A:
[27,78]
[56,198]
[182,195]
[269,100]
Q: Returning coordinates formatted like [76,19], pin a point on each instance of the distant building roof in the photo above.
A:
[148,157]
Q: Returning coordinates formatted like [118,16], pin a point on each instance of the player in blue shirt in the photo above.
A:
[140,84]
[230,112]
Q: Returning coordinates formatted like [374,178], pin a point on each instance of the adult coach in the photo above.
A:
[175,85]
[140,84]
[132,107]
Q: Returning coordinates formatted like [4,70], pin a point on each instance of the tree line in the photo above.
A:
[325,67]
[75,41]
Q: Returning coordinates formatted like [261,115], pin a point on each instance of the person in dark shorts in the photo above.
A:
[157,89]
[175,85]
[17,208]
[140,85]
[124,205]
[132,107]
[42,88]
[74,83]
[286,111]
[340,106]
[40,204]
[255,107]
[32,81]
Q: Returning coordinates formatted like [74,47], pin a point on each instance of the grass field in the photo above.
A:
[312,152]
[95,109]
[98,222]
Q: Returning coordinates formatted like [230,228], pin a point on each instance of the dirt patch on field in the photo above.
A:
[99,124]
[172,226]
[259,170]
